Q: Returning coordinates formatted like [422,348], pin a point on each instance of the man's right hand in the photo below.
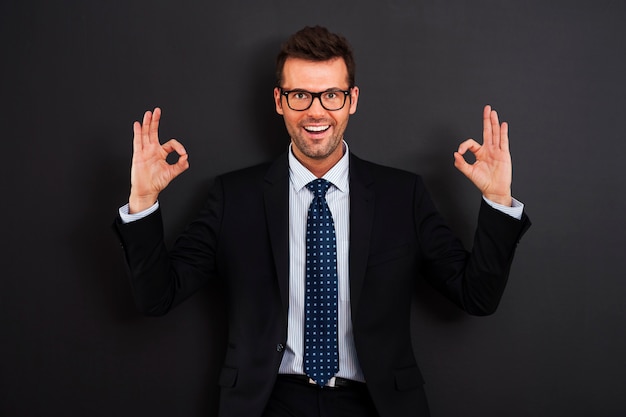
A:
[150,172]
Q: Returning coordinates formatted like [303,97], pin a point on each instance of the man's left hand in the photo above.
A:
[492,170]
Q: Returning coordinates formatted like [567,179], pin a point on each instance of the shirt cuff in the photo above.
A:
[516,210]
[128,218]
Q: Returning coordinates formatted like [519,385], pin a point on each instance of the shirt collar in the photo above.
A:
[300,176]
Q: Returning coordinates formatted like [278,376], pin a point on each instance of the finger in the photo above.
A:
[154,126]
[487,127]
[145,128]
[137,145]
[173,145]
[183,158]
[495,129]
[504,137]
[470,145]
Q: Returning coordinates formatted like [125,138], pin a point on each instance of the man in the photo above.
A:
[259,234]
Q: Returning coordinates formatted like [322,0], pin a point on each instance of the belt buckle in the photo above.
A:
[331,382]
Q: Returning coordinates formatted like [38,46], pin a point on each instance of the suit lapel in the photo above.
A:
[362,202]
[276,197]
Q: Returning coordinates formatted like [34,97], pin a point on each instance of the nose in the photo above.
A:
[316,106]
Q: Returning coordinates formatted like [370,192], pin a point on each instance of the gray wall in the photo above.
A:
[75,74]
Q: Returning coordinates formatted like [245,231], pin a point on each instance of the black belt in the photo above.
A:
[334,383]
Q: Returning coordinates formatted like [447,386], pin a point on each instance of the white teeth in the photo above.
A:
[316,128]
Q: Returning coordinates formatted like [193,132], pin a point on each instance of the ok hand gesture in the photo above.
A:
[492,171]
[150,172]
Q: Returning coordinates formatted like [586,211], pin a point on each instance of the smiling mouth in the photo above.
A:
[316,129]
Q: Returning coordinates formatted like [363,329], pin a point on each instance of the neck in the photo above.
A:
[319,166]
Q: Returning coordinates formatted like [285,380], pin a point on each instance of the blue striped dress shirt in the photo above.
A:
[338,198]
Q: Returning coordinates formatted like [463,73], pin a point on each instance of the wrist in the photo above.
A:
[503,200]
[138,204]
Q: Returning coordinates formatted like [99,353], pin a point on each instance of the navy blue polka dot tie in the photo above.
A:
[321,357]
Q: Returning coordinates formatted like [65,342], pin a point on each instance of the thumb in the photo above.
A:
[461,164]
[181,165]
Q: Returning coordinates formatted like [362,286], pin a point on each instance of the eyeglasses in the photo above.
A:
[331,100]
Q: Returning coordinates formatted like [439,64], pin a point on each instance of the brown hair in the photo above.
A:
[315,44]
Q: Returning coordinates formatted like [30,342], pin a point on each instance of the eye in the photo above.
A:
[300,95]
[331,95]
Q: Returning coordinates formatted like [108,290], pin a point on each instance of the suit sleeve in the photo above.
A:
[475,280]
[162,278]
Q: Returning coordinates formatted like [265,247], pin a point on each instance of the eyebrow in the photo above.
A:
[322,91]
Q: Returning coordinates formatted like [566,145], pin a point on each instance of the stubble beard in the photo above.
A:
[317,151]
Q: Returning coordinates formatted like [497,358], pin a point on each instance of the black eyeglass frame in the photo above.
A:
[317,95]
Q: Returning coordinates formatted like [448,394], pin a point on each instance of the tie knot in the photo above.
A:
[319,187]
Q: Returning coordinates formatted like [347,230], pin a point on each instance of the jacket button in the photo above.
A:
[279,347]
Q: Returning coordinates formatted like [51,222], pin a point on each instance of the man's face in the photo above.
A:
[316,133]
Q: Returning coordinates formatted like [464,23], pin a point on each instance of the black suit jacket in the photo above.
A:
[396,237]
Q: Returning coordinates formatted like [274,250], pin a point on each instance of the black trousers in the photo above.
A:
[294,398]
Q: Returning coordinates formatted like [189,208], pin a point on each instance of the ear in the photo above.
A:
[278,101]
[354,99]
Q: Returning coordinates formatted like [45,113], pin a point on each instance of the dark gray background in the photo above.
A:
[75,74]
